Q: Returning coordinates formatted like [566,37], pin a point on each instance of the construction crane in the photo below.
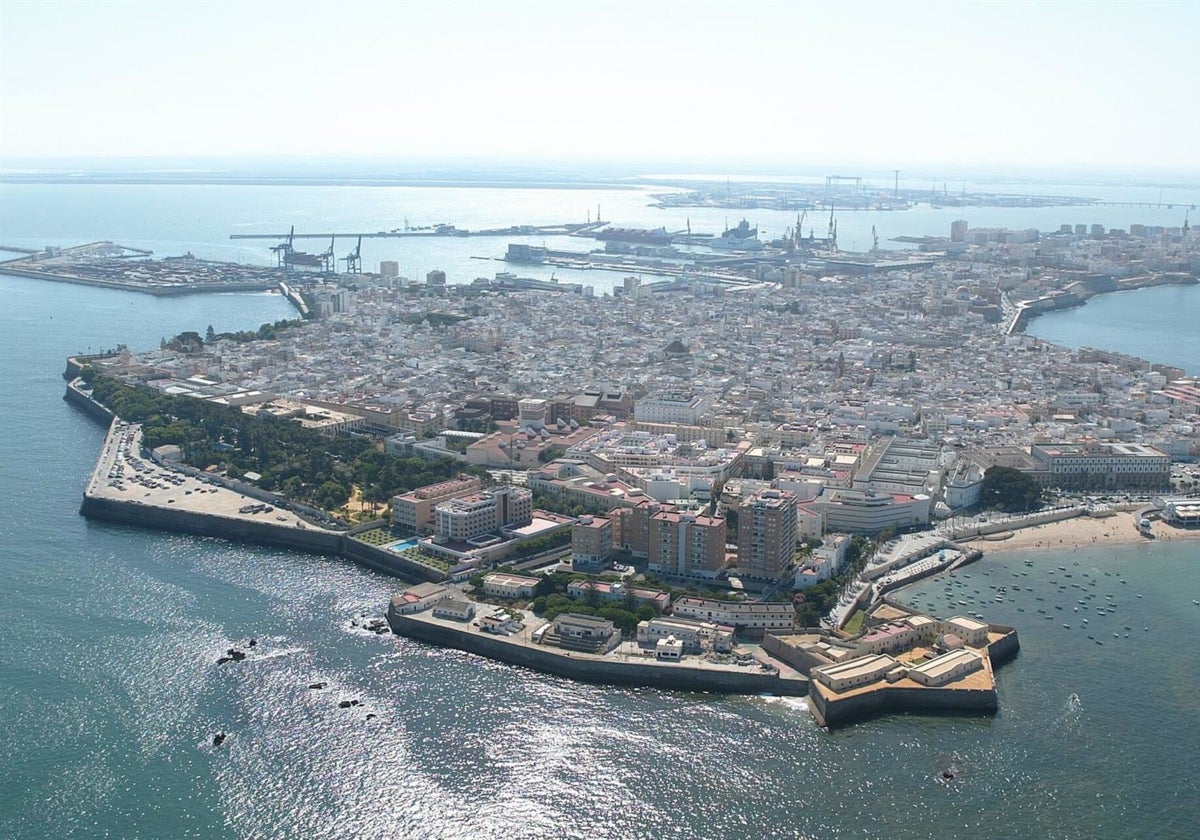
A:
[353,260]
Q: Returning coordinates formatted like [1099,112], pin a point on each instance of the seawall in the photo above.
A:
[891,698]
[76,397]
[593,669]
[259,533]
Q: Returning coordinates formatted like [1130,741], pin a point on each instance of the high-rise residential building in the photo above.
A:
[958,230]
[389,268]
[591,542]
[685,544]
[766,533]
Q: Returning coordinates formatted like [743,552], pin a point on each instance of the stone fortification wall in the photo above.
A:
[1003,649]
[260,533]
[777,645]
[677,677]
[889,698]
[87,405]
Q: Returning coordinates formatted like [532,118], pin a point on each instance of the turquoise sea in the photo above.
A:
[110,695]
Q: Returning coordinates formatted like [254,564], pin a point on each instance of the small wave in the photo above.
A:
[797,703]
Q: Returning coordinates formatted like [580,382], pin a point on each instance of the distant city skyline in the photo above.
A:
[1005,84]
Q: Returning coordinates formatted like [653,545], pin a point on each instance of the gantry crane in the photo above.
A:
[353,260]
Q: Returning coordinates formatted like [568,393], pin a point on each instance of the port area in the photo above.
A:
[110,266]
[449,619]
[564,229]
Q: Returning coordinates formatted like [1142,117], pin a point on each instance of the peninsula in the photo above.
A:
[779,445]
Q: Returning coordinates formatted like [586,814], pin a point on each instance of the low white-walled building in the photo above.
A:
[457,609]
[854,673]
[946,668]
[504,585]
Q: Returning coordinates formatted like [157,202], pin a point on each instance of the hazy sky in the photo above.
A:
[959,83]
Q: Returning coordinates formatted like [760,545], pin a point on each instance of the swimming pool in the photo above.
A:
[403,545]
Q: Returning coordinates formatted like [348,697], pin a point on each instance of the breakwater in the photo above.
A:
[138,286]
[603,670]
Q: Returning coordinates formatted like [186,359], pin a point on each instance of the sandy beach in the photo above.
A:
[1081,531]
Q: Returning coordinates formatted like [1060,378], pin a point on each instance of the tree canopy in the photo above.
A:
[300,463]
[1010,490]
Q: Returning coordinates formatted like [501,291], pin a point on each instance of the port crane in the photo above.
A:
[289,258]
[353,260]
[283,251]
[328,261]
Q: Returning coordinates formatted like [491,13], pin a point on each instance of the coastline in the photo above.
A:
[1081,532]
[1080,292]
[195,504]
[602,669]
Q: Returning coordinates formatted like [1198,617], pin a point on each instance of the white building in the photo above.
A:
[746,615]
[467,517]
[671,407]
[456,609]
[503,585]
[869,512]
[694,635]
[946,668]
[854,673]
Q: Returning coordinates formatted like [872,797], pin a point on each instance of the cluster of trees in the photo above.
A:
[552,606]
[559,504]
[818,599]
[265,332]
[436,319]
[539,544]
[300,463]
[552,601]
[1010,490]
